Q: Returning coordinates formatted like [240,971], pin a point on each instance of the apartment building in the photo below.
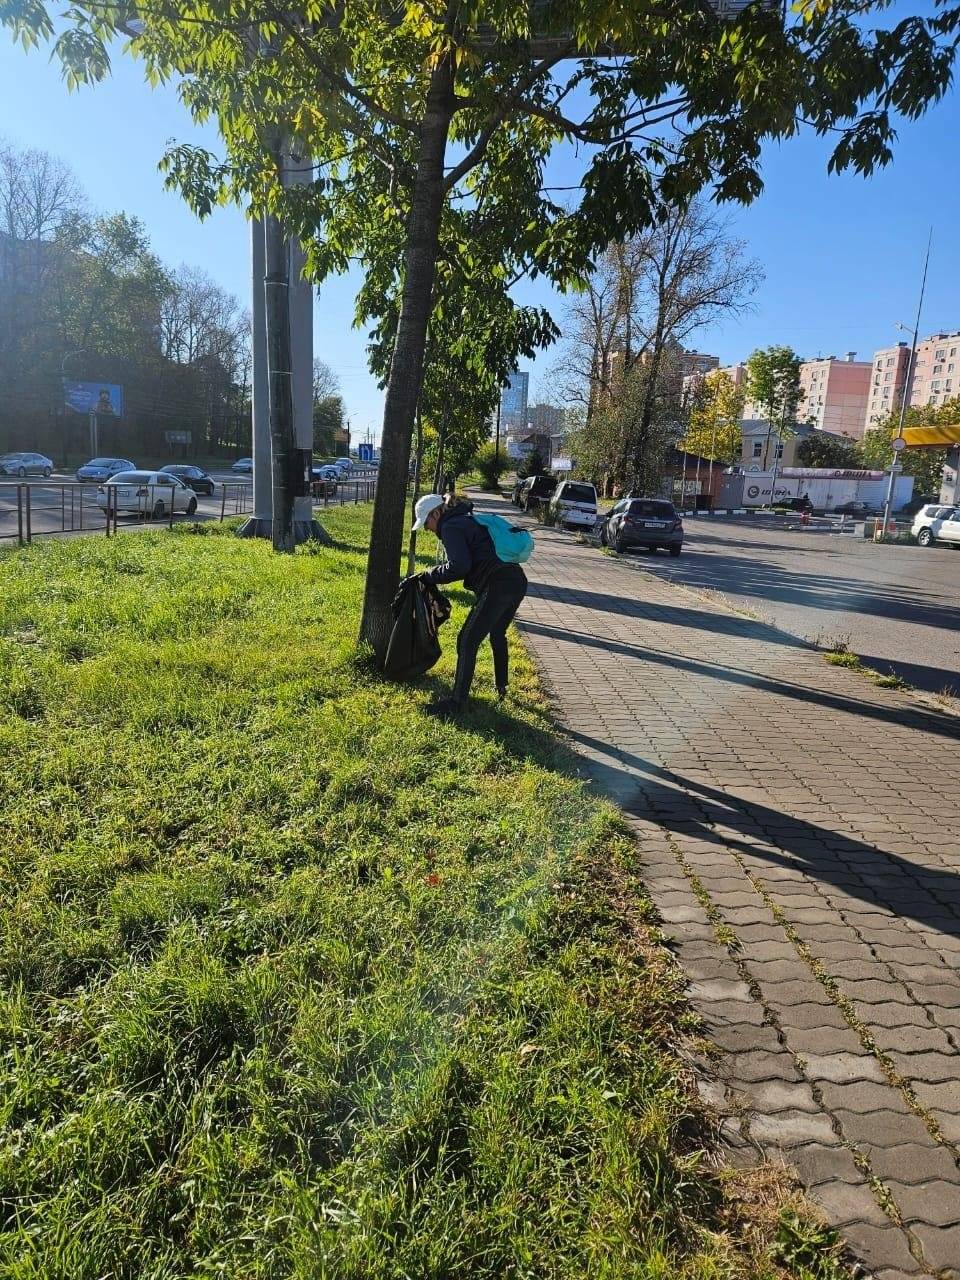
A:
[887,383]
[936,370]
[678,366]
[836,394]
[696,363]
[936,376]
[547,419]
[737,373]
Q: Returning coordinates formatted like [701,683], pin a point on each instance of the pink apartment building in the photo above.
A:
[936,376]
[936,370]
[836,394]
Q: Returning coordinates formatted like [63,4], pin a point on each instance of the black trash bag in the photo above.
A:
[414,646]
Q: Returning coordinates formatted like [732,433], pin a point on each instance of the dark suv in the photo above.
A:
[536,491]
[643,522]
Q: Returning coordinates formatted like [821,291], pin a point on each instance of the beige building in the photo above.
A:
[762,449]
[697,363]
[737,373]
[836,394]
[887,381]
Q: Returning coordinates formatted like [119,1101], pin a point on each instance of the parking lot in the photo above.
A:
[898,607]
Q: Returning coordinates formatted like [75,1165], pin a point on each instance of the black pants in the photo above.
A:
[492,613]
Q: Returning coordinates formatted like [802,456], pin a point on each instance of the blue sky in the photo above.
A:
[842,255]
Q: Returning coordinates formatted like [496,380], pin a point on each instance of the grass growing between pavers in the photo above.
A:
[298,983]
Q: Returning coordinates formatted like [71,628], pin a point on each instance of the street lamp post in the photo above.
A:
[81,351]
[897,443]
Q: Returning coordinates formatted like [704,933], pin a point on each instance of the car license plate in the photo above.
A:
[652,524]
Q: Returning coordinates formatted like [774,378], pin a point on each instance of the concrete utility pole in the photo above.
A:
[282,377]
[286,482]
[897,443]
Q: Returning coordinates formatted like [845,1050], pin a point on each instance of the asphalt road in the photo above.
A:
[60,505]
[897,607]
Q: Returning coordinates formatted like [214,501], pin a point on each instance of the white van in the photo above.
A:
[575,504]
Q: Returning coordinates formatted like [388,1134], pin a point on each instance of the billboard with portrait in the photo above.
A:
[94,397]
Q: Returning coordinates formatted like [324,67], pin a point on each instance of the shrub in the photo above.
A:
[491,463]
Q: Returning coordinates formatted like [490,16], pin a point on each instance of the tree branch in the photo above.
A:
[496,118]
[337,81]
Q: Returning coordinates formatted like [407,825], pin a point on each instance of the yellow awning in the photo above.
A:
[932,437]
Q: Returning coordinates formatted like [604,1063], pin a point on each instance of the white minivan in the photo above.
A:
[574,504]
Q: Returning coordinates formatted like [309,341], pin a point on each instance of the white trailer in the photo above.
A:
[827,488]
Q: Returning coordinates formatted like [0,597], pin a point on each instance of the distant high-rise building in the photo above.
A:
[513,405]
[546,419]
[696,362]
[835,394]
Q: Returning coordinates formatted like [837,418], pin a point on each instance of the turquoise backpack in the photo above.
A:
[512,544]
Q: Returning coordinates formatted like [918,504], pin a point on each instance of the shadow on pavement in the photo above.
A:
[896,886]
[942,725]
[742,576]
[721,623]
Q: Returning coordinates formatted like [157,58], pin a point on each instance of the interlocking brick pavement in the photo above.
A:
[814,815]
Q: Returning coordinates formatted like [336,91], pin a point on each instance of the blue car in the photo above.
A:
[99,469]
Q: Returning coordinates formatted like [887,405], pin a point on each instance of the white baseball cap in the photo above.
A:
[429,502]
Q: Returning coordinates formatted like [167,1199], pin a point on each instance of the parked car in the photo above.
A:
[574,504]
[854,508]
[148,493]
[653,523]
[195,477]
[99,469]
[536,491]
[25,464]
[324,480]
[243,466]
[916,504]
[936,523]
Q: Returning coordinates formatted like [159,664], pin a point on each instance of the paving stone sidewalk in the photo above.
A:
[800,831]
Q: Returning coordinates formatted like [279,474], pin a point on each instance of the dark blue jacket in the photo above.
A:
[469,547]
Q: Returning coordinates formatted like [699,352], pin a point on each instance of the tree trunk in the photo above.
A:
[438,465]
[283,451]
[417,466]
[646,415]
[406,368]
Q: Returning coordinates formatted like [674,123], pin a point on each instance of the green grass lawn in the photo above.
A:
[297,982]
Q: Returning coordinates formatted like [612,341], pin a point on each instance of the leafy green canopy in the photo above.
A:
[428,125]
[687,110]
